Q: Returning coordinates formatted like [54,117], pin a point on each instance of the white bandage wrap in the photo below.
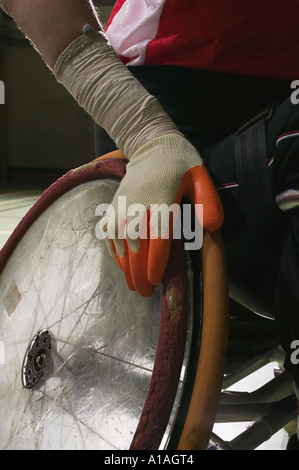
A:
[93,74]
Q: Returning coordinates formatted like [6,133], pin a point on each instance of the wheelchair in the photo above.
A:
[87,364]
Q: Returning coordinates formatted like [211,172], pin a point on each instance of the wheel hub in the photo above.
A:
[36,359]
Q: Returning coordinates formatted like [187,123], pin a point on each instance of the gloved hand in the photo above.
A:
[163,166]
[162,171]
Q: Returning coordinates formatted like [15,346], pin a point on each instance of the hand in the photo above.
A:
[163,166]
[162,171]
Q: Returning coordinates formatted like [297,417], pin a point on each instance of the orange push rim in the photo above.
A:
[210,368]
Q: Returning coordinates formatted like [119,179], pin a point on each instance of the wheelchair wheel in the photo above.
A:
[86,363]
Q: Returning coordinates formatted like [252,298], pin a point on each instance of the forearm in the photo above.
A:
[106,89]
[51,25]
[90,69]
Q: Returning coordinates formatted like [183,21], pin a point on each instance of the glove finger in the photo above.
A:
[158,255]
[138,242]
[131,256]
[198,186]
[124,263]
[111,247]
[138,265]
[113,252]
[164,222]
[117,245]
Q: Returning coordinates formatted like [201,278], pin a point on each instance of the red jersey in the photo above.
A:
[255,37]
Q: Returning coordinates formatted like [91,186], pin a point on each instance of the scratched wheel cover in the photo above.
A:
[60,278]
[78,350]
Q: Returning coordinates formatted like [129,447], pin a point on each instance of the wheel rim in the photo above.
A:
[73,361]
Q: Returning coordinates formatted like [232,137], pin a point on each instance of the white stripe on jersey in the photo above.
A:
[133,27]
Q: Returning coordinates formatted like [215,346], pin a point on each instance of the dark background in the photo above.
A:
[43,132]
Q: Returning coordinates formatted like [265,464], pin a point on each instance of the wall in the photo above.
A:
[44,128]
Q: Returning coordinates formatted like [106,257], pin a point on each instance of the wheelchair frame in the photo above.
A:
[268,409]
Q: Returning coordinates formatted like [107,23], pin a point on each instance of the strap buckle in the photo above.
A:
[263,116]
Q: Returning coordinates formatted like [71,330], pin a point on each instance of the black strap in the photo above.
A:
[255,188]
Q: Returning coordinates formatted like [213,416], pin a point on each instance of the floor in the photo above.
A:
[13,206]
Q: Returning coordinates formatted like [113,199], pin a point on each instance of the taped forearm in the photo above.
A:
[105,88]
